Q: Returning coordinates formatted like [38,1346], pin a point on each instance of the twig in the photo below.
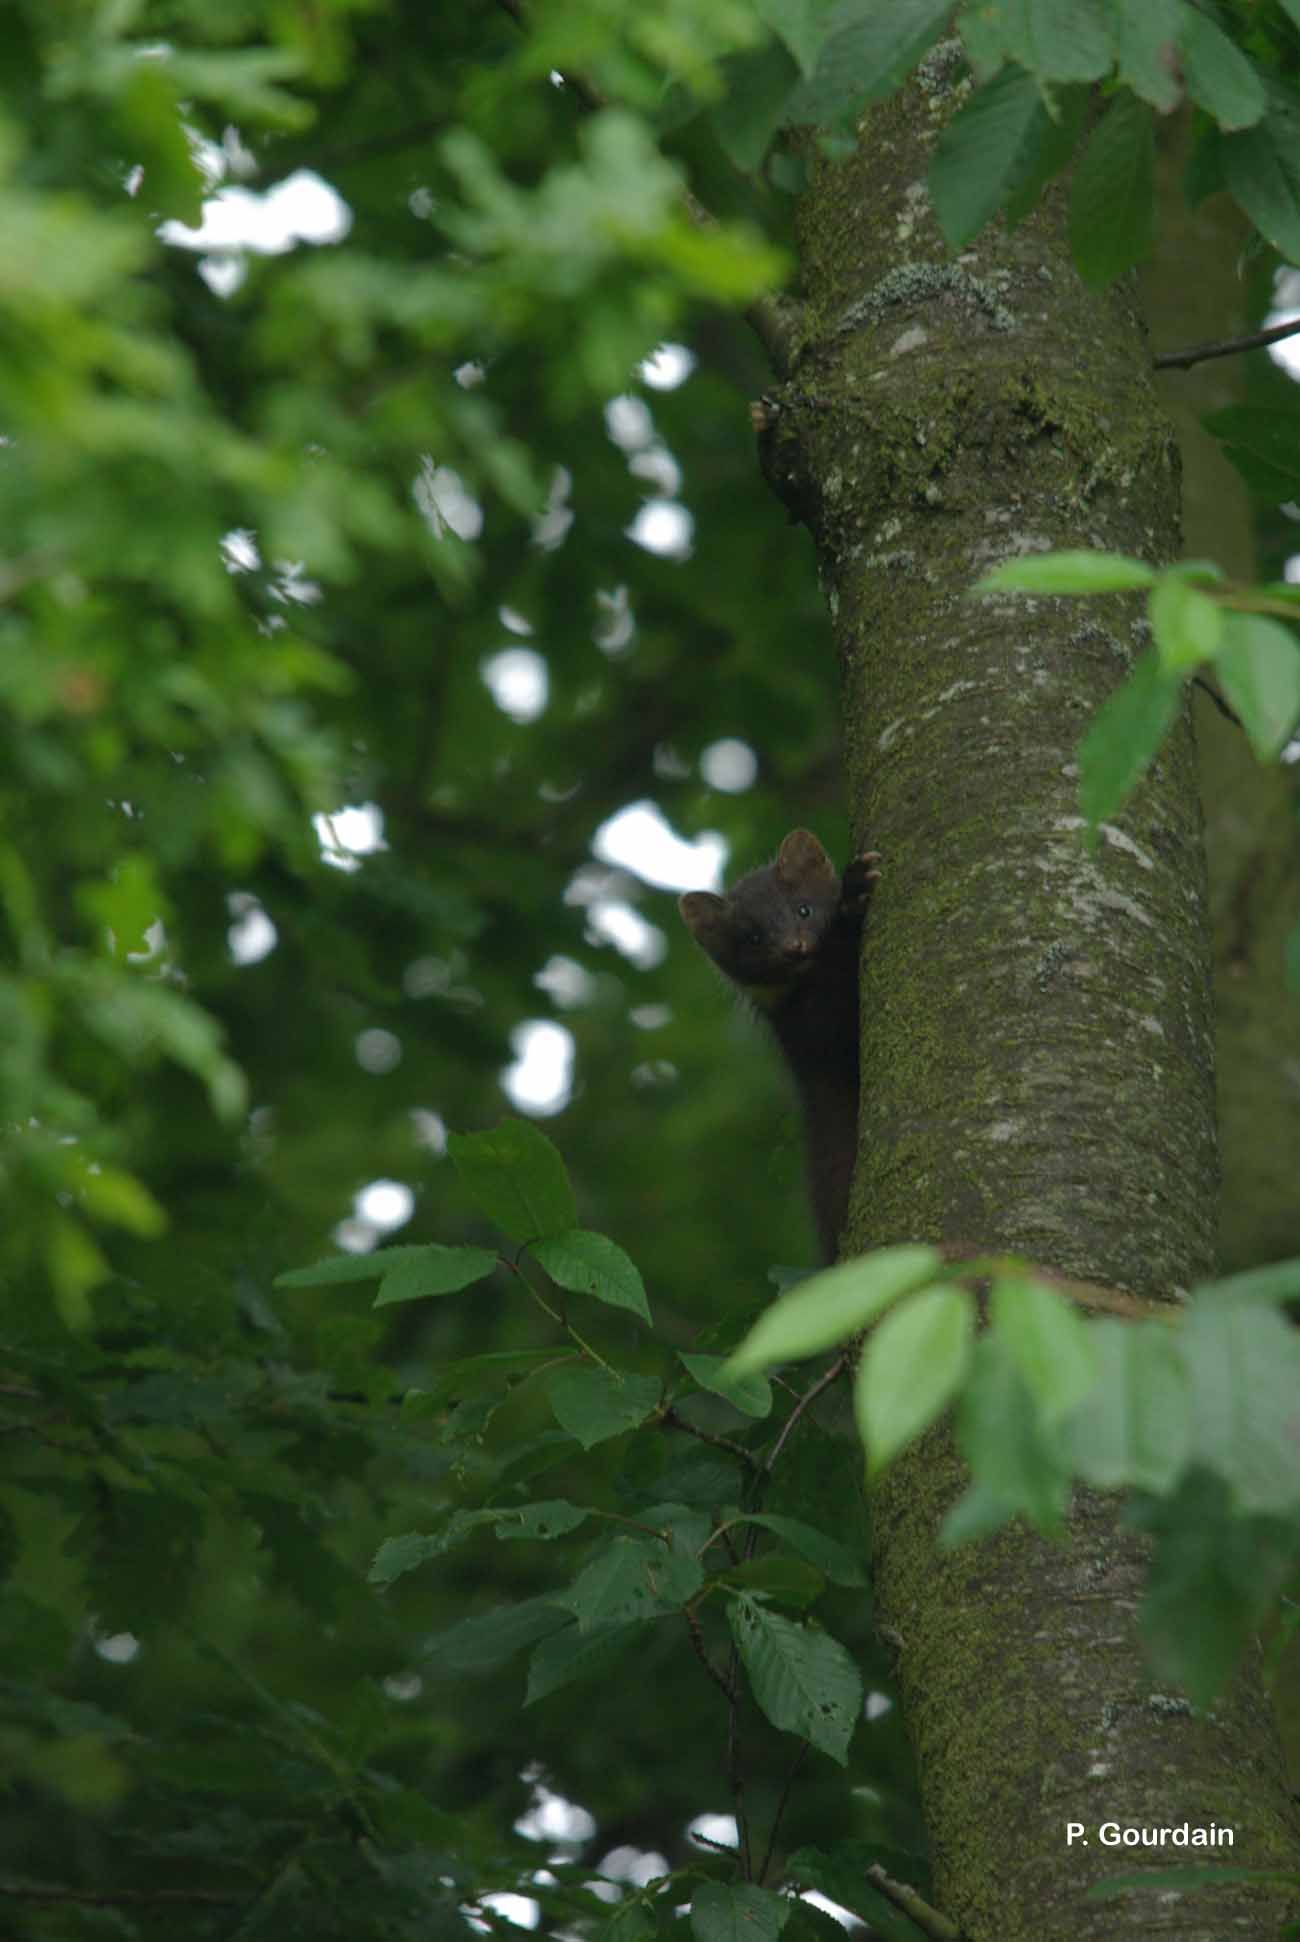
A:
[1226,347]
[675,1421]
[928,1919]
[702,1653]
[808,1397]
[781,1805]
[1198,681]
[32,1891]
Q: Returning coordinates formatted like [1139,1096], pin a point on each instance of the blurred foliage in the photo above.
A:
[267,513]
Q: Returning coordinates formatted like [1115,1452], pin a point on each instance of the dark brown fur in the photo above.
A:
[789,938]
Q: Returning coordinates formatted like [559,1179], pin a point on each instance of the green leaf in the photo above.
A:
[1112,204]
[911,1368]
[868,49]
[1049,1343]
[828,1307]
[592,1264]
[1243,1366]
[398,1555]
[1278,1281]
[831,1557]
[999,1432]
[517,1178]
[1260,171]
[486,1640]
[750,1394]
[632,1578]
[593,1404]
[1125,735]
[737,1911]
[575,1654]
[1133,1429]
[1186,623]
[989,143]
[1258,666]
[434,1270]
[1146,31]
[339,1269]
[1068,572]
[1063,40]
[1220,78]
[550,1519]
[800,24]
[759,84]
[1263,442]
[803,1680]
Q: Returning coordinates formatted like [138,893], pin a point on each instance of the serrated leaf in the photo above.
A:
[632,1578]
[594,1405]
[489,1639]
[575,1654]
[750,1394]
[1014,1465]
[759,85]
[1220,78]
[868,49]
[1125,735]
[1260,173]
[1068,572]
[1112,202]
[1132,1432]
[803,1679]
[1146,36]
[831,1557]
[1263,443]
[592,1264]
[1049,1343]
[1065,40]
[1258,665]
[911,1368]
[990,143]
[1243,1367]
[737,1911]
[801,24]
[398,1555]
[517,1178]
[828,1307]
[1186,623]
[434,1270]
[340,1269]
[546,1520]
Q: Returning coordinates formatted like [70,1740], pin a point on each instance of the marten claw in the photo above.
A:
[860,878]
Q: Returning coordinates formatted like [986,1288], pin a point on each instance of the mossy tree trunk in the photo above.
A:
[1037,1034]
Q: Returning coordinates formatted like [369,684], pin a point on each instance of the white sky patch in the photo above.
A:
[615,628]
[385,1204]
[119,1648]
[640,839]
[378,1051]
[541,1079]
[720,1829]
[550,528]
[519,1910]
[663,527]
[667,367]
[519,681]
[251,935]
[301,209]
[566,983]
[637,1865]
[1286,308]
[346,835]
[430,1129]
[550,1817]
[445,502]
[629,422]
[610,921]
[729,765]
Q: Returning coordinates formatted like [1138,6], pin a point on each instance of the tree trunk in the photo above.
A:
[1038,1067]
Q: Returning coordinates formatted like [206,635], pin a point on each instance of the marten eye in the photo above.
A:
[804,911]
[753,935]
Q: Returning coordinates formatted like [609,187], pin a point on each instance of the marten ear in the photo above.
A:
[704,915]
[802,860]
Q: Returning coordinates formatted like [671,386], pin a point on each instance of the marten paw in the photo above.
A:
[859,880]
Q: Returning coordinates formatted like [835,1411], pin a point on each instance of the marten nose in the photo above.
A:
[796,948]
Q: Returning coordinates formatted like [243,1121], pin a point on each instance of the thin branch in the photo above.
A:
[674,1421]
[1226,347]
[781,1806]
[31,1891]
[702,1653]
[927,1919]
[808,1397]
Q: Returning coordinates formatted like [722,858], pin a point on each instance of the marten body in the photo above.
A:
[789,937]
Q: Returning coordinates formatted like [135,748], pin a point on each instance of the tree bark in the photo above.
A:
[1038,1069]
